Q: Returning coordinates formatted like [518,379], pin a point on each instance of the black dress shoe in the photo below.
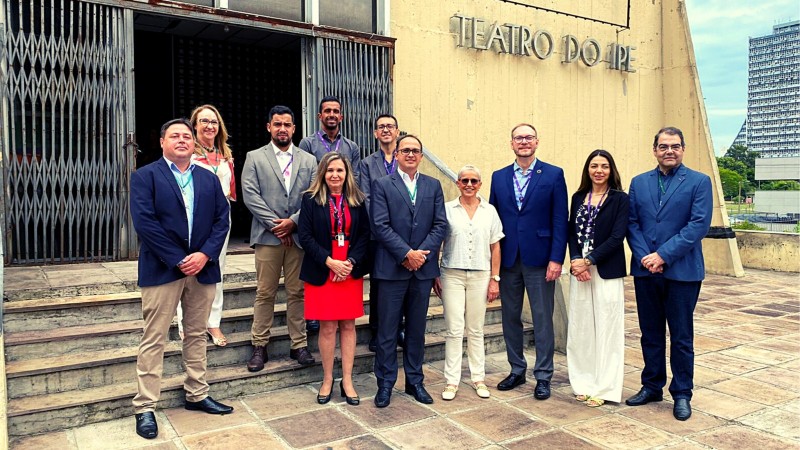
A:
[401,339]
[682,409]
[373,344]
[510,382]
[312,326]
[146,425]
[302,355]
[354,401]
[419,393]
[383,397]
[542,391]
[644,397]
[322,399]
[209,405]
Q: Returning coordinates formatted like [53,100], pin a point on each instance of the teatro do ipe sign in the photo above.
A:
[520,40]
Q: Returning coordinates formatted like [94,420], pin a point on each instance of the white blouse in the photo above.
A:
[223,172]
[466,245]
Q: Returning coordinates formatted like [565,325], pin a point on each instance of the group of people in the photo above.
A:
[323,218]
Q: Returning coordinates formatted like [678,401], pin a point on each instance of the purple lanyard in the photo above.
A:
[286,169]
[328,146]
[592,215]
[519,188]
[338,214]
[390,167]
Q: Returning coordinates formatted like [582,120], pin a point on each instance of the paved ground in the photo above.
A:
[747,395]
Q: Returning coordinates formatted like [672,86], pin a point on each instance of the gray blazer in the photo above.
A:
[265,195]
[371,168]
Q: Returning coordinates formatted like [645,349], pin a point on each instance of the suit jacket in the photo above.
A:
[265,195]
[399,226]
[610,226]
[159,218]
[315,233]
[538,231]
[674,229]
[371,168]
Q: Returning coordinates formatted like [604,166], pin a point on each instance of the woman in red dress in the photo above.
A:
[333,230]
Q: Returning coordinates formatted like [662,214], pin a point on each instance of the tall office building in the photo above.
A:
[773,88]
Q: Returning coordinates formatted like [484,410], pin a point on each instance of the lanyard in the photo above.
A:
[338,214]
[188,180]
[521,189]
[413,195]
[390,167]
[593,214]
[328,146]
[285,170]
[213,167]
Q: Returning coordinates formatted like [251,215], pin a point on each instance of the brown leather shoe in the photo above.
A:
[258,359]
[302,355]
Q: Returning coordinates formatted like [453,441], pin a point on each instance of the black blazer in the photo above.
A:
[314,233]
[611,224]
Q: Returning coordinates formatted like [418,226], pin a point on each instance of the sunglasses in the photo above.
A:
[466,181]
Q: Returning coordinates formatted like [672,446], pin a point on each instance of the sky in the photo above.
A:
[720,32]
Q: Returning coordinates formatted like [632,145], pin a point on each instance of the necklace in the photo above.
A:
[214,152]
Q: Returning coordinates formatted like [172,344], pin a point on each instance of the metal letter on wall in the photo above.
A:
[361,76]
[63,100]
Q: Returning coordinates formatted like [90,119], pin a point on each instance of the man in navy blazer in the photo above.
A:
[181,217]
[409,222]
[531,198]
[670,213]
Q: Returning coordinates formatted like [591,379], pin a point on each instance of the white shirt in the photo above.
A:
[466,245]
[285,162]
[411,185]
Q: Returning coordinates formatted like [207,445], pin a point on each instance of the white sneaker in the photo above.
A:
[481,389]
[449,392]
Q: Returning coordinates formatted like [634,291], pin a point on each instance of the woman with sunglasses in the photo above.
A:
[470,277]
[213,153]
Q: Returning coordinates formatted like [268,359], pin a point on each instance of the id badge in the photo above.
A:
[340,239]
[585,248]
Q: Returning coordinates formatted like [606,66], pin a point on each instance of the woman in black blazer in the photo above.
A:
[333,230]
[598,222]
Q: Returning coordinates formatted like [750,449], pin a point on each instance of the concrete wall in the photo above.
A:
[778,168]
[779,202]
[463,102]
[769,250]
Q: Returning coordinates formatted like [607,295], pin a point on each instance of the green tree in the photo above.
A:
[730,182]
[747,157]
[780,185]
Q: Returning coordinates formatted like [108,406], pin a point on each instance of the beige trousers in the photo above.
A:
[464,300]
[270,259]
[158,309]
[215,317]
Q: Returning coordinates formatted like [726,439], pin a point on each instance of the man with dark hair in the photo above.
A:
[670,213]
[409,223]
[273,180]
[329,139]
[378,165]
[180,243]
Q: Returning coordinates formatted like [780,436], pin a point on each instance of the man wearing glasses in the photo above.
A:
[531,198]
[670,213]
[409,223]
[374,166]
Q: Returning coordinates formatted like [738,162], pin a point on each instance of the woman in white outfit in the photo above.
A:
[470,276]
[598,222]
[213,153]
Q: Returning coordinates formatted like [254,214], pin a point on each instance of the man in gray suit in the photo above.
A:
[273,180]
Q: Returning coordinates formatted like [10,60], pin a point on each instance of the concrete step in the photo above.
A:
[50,412]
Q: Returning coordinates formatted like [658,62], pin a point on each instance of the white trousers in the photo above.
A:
[464,300]
[596,337]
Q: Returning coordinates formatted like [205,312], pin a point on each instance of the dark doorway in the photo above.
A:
[180,64]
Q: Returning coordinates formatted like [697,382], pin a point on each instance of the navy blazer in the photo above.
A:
[315,234]
[399,226]
[538,231]
[610,227]
[159,218]
[675,229]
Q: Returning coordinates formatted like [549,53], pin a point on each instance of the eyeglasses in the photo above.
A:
[209,123]
[673,147]
[386,126]
[521,139]
[411,151]
[467,181]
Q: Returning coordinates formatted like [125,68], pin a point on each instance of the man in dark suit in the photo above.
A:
[670,213]
[181,237]
[531,198]
[378,165]
[409,222]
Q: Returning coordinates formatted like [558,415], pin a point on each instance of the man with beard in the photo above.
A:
[329,139]
[273,180]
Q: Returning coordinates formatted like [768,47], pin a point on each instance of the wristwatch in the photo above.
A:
[496,278]
[587,262]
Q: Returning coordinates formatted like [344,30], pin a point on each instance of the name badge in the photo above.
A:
[340,239]
[585,248]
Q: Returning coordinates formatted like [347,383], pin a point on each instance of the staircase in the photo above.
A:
[71,359]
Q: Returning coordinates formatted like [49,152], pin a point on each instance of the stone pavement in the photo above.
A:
[747,395]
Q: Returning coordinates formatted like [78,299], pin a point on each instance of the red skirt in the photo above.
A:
[343,300]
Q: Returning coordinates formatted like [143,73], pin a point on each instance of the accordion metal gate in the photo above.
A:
[64,106]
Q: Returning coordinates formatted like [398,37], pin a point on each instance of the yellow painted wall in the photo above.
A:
[463,102]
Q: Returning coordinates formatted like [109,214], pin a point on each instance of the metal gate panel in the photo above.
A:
[361,76]
[66,169]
